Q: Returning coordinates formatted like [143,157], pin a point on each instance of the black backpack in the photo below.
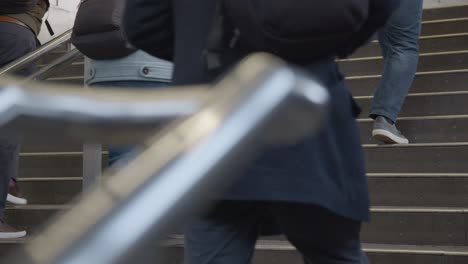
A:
[295,30]
[10,7]
[98,30]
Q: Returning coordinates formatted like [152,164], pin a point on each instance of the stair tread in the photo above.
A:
[418,145]
[421,55]
[377,209]
[280,245]
[375,175]
[415,175]
[38,207]
[431,144]
[429,117]
[444,93]
[388,248]
[418,209]
[47,179]
[436,13]
[419,73]
[368,247]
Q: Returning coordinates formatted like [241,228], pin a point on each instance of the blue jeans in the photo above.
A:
[117,153]
[399,41]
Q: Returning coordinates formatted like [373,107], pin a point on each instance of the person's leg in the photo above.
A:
[321,236]
[227,235]
[399,41]
[15,41]
[8,162]
[9,155]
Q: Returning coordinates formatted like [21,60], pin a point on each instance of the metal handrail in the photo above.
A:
[75,115]
[179,167]
[56,65]
[36,54]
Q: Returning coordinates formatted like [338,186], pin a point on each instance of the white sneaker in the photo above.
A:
[16,200]
[9,232]
[15,195]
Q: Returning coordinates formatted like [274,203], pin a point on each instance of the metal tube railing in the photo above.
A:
[36,54]
[183,165]
[55,65]
[75,115]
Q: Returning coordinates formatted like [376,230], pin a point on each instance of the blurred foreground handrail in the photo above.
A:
[183,165]
[70,114]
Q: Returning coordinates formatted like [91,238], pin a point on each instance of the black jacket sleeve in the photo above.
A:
[379,12]
[149,26]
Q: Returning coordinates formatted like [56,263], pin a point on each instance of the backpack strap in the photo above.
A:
[49,27]
[215,40]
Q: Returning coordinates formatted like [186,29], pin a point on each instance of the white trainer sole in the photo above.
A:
[16,200]
[12,235]
[388,137]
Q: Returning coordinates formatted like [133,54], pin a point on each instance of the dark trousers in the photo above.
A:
[15,41]
[227,235]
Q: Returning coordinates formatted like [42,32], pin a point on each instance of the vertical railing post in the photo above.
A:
[92,165]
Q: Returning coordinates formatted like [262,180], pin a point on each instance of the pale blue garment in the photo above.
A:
[138,66]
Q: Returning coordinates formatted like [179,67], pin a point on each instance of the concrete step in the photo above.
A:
[425,129]
[418,129]
[47,147]
[364,85]
[445,13]
[280,252]
[427,44]
[424,82]
[436,56]
[52,164]
[417,158]
[72,80]
[390,225]
[58,190]
[417,226]
[419,189]
[440,61]
[445,157]
[52,55]
[425,104]
[32,217]
[429,81]
[386,189]
[8,245]
[74,69]
[445,26]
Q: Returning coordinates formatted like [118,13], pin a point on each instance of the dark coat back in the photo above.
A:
[327,170]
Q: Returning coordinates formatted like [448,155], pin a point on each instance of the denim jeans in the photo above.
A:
[117,153]
[399,42]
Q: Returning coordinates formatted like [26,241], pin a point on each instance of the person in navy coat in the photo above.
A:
[314,192]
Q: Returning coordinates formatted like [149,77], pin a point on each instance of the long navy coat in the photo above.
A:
[327,170]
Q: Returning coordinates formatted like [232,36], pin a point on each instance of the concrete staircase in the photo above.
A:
[419,192]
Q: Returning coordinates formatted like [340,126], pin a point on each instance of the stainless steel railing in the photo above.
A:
[192,159]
